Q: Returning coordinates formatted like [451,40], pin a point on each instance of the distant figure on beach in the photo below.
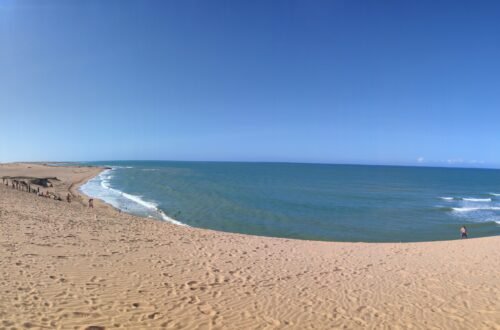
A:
[463,232]
[68,198]
[91,203]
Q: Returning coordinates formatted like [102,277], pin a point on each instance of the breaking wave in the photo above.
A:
[99,187]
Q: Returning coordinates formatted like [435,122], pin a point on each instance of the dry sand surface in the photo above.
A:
[65,266]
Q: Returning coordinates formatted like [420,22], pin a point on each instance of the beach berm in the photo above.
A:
[65,266]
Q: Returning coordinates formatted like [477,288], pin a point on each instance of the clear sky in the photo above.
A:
[379,82]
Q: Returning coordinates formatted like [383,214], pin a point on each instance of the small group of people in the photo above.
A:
[43,194]
[24,186]
[15,185]
[18,184]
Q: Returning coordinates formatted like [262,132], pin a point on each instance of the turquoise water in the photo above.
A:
[308,201]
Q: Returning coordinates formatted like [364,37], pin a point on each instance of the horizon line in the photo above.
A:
[258,161]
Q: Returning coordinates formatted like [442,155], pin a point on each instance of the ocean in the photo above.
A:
[355,203]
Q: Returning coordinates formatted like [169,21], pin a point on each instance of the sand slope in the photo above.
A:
[64,266]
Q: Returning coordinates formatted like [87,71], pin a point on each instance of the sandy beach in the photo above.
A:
[65,266]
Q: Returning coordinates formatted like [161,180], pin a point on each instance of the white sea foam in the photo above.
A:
[169,219]
[152,206]
[104,184]
[117,166]
[471,209]
[494,194]
[477,199]
[140,201]
[447,198]
[99,187]
[465,209]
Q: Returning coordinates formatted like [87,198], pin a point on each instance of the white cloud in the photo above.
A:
[420,159]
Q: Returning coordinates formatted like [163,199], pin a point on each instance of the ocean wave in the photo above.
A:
[169,219]
[104,177]
[477,199]
[104,184]
[99,187]
[471,209]
[117,166]
[494,194]
[467,199]
[139,200]
[152,206]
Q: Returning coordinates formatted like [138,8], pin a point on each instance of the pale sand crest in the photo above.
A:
[65,266]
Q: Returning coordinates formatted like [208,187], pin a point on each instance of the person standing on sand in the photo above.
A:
[91,203]
[463,232]
[68,198]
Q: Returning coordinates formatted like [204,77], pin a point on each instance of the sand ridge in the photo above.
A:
[65,266]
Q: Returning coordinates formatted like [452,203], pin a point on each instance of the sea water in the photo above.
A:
[307,201]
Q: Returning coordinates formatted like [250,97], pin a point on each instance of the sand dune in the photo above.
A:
[65,266]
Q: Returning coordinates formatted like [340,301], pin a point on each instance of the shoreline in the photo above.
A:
[75,189]
[96,200]
[169,219]
[63,265]
[164,216]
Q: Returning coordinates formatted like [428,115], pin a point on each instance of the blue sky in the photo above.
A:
[372,82]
